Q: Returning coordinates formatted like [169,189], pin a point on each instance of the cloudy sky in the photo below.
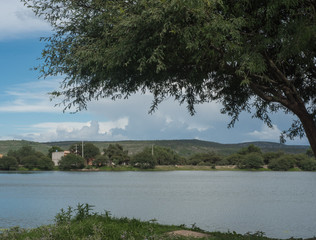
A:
[26,111]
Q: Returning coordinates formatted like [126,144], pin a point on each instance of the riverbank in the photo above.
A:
[82,224]
[157,168]
[179,168]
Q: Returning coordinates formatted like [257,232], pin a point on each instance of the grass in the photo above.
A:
[118,168]
[82,224]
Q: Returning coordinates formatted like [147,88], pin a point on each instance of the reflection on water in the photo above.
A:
[281,204]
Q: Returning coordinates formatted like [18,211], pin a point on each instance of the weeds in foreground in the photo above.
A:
[81,223]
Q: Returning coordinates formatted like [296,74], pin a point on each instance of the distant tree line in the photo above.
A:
[90,156]
[26,157]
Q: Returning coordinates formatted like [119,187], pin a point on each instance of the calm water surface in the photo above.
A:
[281,204]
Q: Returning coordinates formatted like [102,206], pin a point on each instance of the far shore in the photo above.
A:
[176,168]
[157,168]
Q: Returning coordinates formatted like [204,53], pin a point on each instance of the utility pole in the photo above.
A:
[152,150]
[82,149]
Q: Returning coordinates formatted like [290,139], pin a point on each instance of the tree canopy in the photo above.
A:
[29,158]
[71,161]
[116,154]
[250,55]
[90,151]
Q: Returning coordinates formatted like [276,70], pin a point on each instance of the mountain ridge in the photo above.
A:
[184,147]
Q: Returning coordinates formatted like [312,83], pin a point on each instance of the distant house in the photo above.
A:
[90,161]
[56,156]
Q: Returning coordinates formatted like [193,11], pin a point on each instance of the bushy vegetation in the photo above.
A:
[283,163]
[90,151]
[115,157]
[207,159]
[81,223]
[267,157]
[101,160]
[144,159]
[253,160]
[71,161]
[26,157]
[8,163]
[116,154]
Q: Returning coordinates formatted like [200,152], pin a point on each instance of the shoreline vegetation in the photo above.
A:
[81,223]
[89,157]
[174,168]
[157,168]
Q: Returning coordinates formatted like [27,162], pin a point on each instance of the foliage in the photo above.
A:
[267,157]
[305,162]
[206,159]
[101,160]
[78,214]
[250,149]
[37,161]
[81,223]
[234,159]
[54,149]
[166,156]
[22,153]
[29,158]
[46,163]
[71,161]
[310,153]
[240,53]
[144,159]
[252,160]
[8,163]
[116,154]
[90,151]
[283,163]
[308,164]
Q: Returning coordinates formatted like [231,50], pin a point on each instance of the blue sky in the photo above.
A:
[26,111]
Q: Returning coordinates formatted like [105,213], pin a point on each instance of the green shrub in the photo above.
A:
[250,149]
[267,157]
[166,156]
[144,159]
[204,164]
[299,158]
[30,162]
[45,163]
[309,152]
[205,159]
[223,162]
[21,153]
[116,154]
[71,161]
[252,161]
[283,163]
[308,164]
[8,163]
[234,159]
[37,161]
[101,160]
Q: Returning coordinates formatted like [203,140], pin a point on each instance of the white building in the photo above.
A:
[56,156]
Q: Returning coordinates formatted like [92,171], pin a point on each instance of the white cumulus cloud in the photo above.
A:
[73,131]
[266,133]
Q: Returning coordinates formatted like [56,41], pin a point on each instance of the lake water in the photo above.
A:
[281,204]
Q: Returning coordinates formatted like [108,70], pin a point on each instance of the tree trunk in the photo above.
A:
[309,126]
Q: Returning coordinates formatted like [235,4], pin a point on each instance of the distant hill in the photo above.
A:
[7,145]
[183,147]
